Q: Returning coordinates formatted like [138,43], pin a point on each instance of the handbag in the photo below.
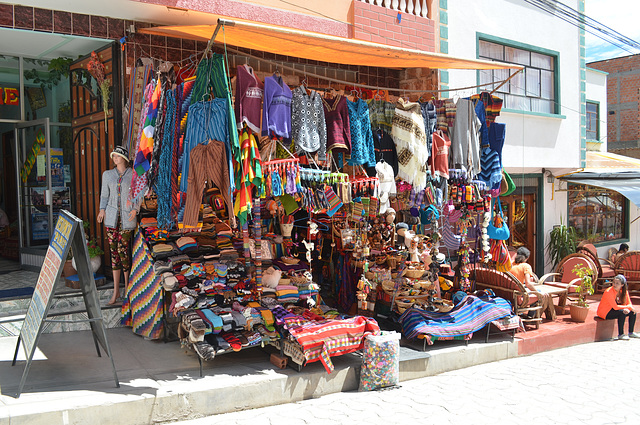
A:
[500,254]
[498,229]
[507,186]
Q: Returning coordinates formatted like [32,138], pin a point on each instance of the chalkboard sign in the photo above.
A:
[68,233]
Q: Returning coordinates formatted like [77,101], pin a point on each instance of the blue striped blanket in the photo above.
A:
[470,315]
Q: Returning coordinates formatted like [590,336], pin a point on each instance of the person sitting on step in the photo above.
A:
[616,304]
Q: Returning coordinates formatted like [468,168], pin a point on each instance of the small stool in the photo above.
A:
[511,324]
[73,281]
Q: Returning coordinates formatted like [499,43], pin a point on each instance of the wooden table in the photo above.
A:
[553,292]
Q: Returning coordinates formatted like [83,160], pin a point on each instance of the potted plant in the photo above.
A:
[95,255]
[580,308]
[562,242]
[67,269]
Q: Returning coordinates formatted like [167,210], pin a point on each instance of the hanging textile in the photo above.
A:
[137,82]
[308,127]
[184,101]
[492,105]
[336,116]
[163,183]
[429,117]
[252,177]
[139,181]
[465,144]
[411,143]
[143,156]
[385,149]
[142,305]
[208,163]
[248,103]
[158,134]
[212,78]
[381,114]
[439,161]
[206,121]
[362,152]
[276,110]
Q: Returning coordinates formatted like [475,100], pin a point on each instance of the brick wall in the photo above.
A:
[380,25]
[167,48]
[623,99]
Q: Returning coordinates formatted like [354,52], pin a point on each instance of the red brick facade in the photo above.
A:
[381,25]
[623,102]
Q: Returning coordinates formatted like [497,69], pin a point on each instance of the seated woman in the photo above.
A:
[621,251]
[523,272]
[616,304]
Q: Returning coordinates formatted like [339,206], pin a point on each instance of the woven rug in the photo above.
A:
[142,306]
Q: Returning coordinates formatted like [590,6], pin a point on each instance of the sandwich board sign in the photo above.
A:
[68,233]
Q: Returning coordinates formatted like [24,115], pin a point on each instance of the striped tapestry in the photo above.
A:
[470,315]
[142,307]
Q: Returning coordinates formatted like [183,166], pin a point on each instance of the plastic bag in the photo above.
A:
[380,361]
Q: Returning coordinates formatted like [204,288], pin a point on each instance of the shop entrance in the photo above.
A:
[43,186]
[520,211]
[37,155]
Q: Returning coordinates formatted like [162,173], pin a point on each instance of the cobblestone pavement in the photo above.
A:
[585,384]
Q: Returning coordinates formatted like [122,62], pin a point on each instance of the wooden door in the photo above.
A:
[92,139]
[520,212]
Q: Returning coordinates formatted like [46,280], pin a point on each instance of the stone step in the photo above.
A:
[67,305]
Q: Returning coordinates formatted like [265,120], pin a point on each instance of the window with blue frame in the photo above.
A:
[532,89]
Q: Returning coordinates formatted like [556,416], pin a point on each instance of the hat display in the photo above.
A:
[120,151]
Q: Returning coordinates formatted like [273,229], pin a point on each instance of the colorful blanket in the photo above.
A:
[322,340]
[470,315]
[142,307]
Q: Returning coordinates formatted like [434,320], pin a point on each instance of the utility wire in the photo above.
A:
[579,19]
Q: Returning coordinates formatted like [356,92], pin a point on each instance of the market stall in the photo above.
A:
[294,216]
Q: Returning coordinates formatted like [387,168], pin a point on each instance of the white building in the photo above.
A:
[553,111]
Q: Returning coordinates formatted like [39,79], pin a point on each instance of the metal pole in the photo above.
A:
[221,22]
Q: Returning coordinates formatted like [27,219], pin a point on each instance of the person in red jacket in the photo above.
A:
[616,304]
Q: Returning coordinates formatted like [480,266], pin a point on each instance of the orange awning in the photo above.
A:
[321,47]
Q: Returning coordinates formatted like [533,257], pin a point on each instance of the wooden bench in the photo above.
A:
[525,303]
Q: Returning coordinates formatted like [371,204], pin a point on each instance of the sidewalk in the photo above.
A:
[69,384]
[160,382]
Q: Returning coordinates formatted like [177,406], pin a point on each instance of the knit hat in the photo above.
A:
[120,151]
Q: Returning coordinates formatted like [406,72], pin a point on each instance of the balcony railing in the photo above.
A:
[413,7]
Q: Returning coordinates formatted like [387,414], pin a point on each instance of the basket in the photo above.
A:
[392,261]
[444,307]
[283,281]
[388,285]
[370,275]
[290,260]
[298,280]
[381,259]
[413,273]
[403,305]
[424,285]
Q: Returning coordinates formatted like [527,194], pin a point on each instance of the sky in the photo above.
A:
[622,16]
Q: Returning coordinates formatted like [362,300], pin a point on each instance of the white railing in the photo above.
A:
[413,7]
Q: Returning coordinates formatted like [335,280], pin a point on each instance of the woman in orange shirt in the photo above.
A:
[523,272]
[616,304]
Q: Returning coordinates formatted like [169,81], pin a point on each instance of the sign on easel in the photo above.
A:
[68,233]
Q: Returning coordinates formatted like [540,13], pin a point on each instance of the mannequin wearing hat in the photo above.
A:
[119,217]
